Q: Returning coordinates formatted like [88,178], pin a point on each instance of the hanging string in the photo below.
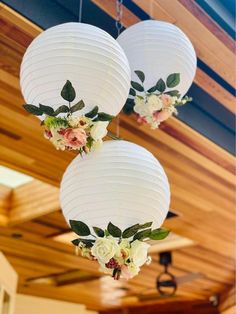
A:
[119,26]
[80,10]
[119,15]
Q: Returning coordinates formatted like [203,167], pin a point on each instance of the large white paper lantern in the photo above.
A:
[122,183]
[158,49]
[84,54]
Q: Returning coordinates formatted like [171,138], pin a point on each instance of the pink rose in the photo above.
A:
[166,99]
[125,272]
[75,138]
[162,115]
[141,120]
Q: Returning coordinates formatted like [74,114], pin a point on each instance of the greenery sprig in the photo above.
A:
[67,93]
[136,232]
[158,89]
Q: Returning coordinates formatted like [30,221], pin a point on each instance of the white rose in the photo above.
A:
[124,248]
[99,130]
[154,103]
[133,270]
[138,252]
[104,249]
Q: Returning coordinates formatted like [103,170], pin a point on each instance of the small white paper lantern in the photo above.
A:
[122,183]
[158,49]
[84,54]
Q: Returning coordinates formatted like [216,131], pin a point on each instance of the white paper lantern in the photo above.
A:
[122,183]
[158,49]
[84,54]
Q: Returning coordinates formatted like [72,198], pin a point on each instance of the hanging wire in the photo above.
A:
[119,26]
[119,15]
[80,10]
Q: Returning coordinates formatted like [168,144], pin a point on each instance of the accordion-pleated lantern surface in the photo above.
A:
[122,183]
[85,55]
[158,49]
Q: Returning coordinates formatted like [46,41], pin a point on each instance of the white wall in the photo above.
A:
[35,305]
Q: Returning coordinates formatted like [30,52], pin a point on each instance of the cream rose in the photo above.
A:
[99,130]
[154,103]
[138,252]
[104,249]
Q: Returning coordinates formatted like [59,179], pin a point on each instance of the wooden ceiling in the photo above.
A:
[201,175]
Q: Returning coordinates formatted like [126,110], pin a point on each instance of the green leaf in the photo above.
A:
[159,234]
[161,86]
[76,242]
[33,109]
[46,110]
[114,230]
[102,116]
[129,106]
[79,228]
[129,232]
[99,232]
[80,105]
[106,233]
[132,92]
[87,242]
[137,86]
[146,225]
[91,114]
[61,109]
[68,92]
[142,234]
[173,93]
[173,80]
[140,75]
[152,89]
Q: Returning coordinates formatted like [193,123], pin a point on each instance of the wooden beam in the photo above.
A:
[32,200]
[5,198]
[215,54]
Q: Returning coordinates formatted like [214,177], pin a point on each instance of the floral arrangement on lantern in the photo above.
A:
[156,104]
[119,254]
[82,133]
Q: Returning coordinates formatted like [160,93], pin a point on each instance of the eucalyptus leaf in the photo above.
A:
[99,232]
[68,92]
[173,80]
[80,105]
[129,232]
[91,114]
[79,228]
[152,89]
[141,235]
[161,86]
[137,86]
[33,109]
[140,75]
[61,109]
[114,230]
[47,110]
[159,234]
[102,116]
[132,92]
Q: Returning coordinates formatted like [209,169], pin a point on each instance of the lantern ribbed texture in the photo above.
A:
[122,183]
[84,54]
[159,49]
